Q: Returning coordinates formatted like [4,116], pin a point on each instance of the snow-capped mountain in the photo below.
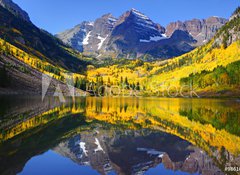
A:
[77,36]
[89,36]
[132,31]
[97,38]
[135,35]
[136,27]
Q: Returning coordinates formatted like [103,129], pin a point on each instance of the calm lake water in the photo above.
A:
[125,136]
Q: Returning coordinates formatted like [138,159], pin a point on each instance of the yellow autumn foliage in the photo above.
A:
[36,62]
[152,113]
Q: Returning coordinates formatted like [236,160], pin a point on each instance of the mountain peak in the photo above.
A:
[133,34]
[138,14]
[111,19]
[139,20]
[15,9]
[108,15]
[216,19]
[133,10]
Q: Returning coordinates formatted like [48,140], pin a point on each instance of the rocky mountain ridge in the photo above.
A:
[135,35]
[15,9]
[201,30]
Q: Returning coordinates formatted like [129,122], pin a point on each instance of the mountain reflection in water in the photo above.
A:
[119,136]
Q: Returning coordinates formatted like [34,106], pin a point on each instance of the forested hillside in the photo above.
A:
[29,38]
[21,72]
[27,51]
[209,68]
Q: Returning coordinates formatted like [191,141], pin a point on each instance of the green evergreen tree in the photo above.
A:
[138,86]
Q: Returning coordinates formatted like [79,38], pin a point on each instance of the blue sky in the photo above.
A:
[58,15]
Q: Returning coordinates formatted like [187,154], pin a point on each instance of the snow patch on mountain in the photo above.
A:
[99,147]
[139,14]
[164,35]
[112,20]
[83,147]
[101,41]
[151,152]
[91,23]
[147,26]
[85,41]
[153,39]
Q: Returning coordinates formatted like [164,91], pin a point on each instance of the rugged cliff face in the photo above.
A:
[97,38]
[134,35]
[230,32]
[133,30]
[200,30]
[15,9]
[76,35]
